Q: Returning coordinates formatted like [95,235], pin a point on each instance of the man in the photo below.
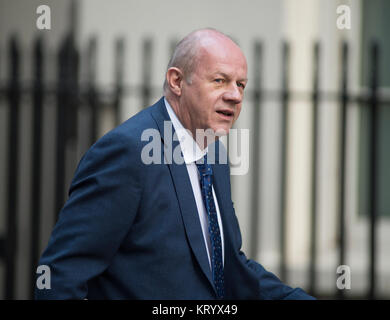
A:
[132,229]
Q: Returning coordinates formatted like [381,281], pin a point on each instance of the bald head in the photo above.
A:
[189,50]
[205,82]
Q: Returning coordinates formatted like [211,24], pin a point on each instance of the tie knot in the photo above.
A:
[204,168]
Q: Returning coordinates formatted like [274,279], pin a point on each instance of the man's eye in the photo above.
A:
[241,85]
[218,80]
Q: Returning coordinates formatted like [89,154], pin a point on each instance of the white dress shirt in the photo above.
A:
[192,153]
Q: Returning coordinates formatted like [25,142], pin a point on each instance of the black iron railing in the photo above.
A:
[71,96]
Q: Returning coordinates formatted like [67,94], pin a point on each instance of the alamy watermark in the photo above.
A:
[44,18]
[344,280]
[344,19]
[236,142]
[44,280]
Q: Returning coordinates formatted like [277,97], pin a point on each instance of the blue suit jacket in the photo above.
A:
[132,231]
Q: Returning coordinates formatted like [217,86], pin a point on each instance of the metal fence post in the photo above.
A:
[374,155]
[344,98]
[14,98]
[285,96]
[92,92]
[119,67]
[147,72]
[314,168]
[67,107]
[257,97]
[38,96]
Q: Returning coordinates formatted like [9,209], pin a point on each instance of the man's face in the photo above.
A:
[213,98]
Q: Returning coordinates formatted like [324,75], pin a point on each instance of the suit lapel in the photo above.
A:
[222,191]
[240,281]
[232,273]
[222,188]
[190,216]
[184,193]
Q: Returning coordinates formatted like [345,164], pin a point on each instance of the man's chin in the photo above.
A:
[220,132]
[210,135]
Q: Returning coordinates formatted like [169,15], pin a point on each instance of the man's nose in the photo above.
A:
[233,94]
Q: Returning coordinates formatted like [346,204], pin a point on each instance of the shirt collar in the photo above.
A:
[190,149]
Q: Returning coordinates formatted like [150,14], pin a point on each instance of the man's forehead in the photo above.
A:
[223,53]
[224,62]
[220,44]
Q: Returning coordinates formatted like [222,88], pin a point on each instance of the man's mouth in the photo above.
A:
[226,113]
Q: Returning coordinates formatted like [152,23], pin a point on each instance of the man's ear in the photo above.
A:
[174,79]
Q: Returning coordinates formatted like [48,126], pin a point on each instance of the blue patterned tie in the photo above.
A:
[206,182]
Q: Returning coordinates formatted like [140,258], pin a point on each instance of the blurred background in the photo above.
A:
[316,195]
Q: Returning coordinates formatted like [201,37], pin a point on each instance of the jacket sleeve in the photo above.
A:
[269,285]
[271,288]
[103,200]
